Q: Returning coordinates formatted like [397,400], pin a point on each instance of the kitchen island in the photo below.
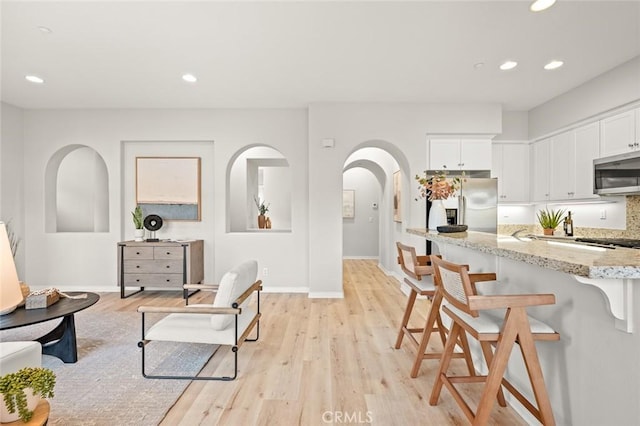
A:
[593,372]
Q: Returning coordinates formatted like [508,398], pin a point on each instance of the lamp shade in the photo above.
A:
[10,294]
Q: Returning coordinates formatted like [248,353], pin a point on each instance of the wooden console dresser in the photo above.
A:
[163,264]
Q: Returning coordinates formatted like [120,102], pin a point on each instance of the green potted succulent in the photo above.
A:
[14,387]
[550,219]
[138,222]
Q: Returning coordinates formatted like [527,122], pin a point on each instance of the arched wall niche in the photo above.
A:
[76,191]
[258,172]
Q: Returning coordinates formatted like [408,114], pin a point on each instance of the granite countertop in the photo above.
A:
[563,256]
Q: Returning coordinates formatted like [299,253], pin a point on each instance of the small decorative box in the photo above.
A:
[42,298]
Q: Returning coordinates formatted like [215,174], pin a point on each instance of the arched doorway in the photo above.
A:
[379,163]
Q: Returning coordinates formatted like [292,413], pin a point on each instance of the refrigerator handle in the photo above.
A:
[462,210]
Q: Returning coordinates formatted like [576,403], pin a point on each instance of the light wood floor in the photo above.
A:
[320,361]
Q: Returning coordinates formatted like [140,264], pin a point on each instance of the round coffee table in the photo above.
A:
[61,341]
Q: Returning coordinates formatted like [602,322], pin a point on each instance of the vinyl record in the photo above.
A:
[153,222]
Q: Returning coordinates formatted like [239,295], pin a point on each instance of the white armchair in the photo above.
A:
[228,321]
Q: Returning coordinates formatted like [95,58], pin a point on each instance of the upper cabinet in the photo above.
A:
[540,152]
[460,154]
[510,164]
[587,143]
[563,165]
[620,133]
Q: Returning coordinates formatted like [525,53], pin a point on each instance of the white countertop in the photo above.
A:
[563,256]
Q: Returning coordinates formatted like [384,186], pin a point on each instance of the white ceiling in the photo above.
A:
[123,54]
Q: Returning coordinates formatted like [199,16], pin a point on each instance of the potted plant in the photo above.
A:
[262,209]
[22,390]
[550,219]
[138,223]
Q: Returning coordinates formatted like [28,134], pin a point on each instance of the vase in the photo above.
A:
[138,235]
[548,231]
[267,223]
[7,417]
[261,221]
[437,214]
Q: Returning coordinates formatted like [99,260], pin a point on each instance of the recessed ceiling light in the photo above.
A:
[508,65]
[34,79]
[190,78]
[553,65]
[478,65]
[540,5]
[45,30]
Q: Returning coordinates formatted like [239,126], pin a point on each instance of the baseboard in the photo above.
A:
[359,257]
[274,289]
[326,295]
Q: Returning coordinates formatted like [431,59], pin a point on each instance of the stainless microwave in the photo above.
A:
[617,175]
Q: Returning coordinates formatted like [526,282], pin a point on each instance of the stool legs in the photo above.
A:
[405,318]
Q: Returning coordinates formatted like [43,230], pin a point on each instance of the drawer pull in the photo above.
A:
[137,252]
[137,266]
[168,281]
[168,252]
[137,280]
[168,266]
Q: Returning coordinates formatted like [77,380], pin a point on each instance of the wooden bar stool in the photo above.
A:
[420,281]
[467,311]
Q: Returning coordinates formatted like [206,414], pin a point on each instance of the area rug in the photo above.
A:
[105,386]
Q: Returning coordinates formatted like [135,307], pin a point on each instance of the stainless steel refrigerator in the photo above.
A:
[477,204]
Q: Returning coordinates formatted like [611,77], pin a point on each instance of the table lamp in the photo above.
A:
[10,293]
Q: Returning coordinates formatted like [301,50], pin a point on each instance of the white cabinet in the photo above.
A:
[587,142]
[510,164]
[460,154]
[571,163]
[620,133]
[562,166]
[540,170]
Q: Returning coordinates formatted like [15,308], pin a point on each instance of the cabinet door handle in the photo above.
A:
[137,280]
[461,164]
[137,252]
[630,145]
[168,280]
[444,166]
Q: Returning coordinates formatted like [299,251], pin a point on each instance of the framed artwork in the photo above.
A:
[169,187]
[348,203]
[397,197]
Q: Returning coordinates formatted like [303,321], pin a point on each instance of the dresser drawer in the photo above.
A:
[168,252]
[152,266]
[153,280]
[138,252]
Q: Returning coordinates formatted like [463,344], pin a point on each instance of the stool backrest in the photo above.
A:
[455,283]
[409,262]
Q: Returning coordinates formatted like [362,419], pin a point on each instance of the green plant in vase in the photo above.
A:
[137,217]
[550,219]
[262,209]
[12,387]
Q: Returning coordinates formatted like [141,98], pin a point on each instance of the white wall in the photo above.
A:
[612,89]
[88,260]
[361,233]
[12,171]
[400,128]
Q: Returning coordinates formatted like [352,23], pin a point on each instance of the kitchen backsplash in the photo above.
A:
[632,231]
